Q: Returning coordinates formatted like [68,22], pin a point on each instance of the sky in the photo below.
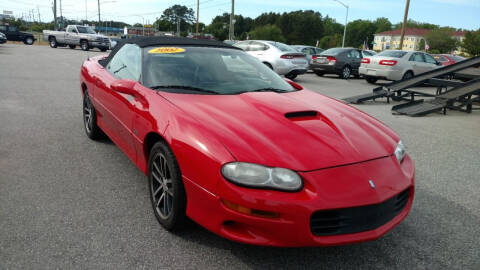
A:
[455,13]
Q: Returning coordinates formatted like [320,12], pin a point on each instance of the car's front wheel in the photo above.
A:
[84,45]
[29,41]
[90,119]
[167,192]
[72,46]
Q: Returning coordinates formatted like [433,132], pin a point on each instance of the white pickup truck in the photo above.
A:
[74,35]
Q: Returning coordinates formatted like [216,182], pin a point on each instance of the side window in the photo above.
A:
[350,54]
[257,46]
[3,28]
[306,51]
[70,29]
[429,59]
[127,63]
[12,29]
[243,45]
[417,57]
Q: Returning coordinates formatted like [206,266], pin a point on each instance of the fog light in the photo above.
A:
[249,211]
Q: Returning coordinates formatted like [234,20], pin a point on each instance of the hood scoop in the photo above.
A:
[302,115]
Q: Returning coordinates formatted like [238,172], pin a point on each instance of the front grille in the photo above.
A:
[358,219]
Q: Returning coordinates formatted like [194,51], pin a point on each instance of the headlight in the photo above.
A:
[400,151]
[258,176]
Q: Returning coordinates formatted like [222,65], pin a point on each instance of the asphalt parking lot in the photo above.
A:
[68,202]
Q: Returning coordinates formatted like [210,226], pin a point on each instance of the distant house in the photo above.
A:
[139,31]
[390,40]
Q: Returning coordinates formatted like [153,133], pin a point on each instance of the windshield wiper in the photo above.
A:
[266,89]
[183,87]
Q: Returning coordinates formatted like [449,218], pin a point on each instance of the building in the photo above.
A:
[139,31]
[390,40]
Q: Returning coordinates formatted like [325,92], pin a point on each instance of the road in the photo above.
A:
[70,203]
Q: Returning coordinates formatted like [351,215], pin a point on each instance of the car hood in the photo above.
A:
[301,130]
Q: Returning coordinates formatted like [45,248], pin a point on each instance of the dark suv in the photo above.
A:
[13,34]
[341,61]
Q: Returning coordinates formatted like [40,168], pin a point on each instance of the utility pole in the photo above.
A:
[231,33]
[55,14]
[198,14]
[405,16]
[86,17]
[99,23]
[39,18]
[61,15]
[178,26]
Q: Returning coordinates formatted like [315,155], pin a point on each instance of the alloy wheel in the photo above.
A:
[161,186]
[87,113]
[346,72]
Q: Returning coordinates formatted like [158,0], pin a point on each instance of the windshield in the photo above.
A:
[282,47]
[396,54]
[85,30]
[333,51]
[208,70]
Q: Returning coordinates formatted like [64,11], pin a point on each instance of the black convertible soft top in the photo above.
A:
[168,41]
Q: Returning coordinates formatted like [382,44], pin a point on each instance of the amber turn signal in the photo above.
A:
[249,211]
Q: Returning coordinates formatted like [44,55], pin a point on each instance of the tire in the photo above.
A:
[29,41]
[167,192]
[319,73]
[371,80]
[291,76]
[90,119]
[103,49]
[84,45]
[407,75]
[268,65]
[53,42]
[346,72]
[72,46]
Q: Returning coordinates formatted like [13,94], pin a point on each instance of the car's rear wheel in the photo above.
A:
[84,45]
[407,75]
[319,73]
[103,49]
[29,41]
[291,76]
[346,71]
[371,79]
[53,42]
[90,119]
[167,192]
[72,46]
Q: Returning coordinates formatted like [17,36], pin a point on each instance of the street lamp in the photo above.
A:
[346,19]
[143,24]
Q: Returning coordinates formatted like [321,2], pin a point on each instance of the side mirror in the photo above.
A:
[294,84]
[124,87]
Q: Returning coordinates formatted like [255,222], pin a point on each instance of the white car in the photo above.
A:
[394,65]
[280,57]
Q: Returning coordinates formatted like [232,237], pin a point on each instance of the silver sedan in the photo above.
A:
[280,57]
[394,65]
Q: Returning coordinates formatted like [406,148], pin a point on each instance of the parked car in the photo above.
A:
[447,59]
[280,57]
[396,65]
[77,35]
[3,38]
[228,143]
[310,51]
[341,61]
[12,34]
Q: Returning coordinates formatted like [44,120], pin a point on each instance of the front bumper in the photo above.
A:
[335,188]
[100,44]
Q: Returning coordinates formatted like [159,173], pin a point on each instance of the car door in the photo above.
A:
[417,61]
[431,63]
[117,109]
[13,34]
[354,60]
[71,35]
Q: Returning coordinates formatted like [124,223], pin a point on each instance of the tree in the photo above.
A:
[268,32]
[414,24]
[382,24]
[138,25]
[421,45]
[441,40]
[471,43]
[330,41]
[178,12]
[358,32]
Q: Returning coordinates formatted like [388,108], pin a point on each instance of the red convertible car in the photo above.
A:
[228,143]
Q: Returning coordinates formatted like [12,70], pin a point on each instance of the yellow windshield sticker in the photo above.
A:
[167,50]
